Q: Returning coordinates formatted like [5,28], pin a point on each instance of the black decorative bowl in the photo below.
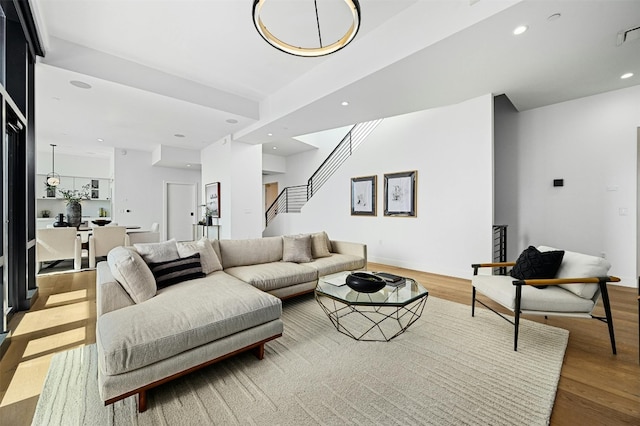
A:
[101,222]
[364,282]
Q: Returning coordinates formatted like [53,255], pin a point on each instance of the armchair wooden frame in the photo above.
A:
[602,292]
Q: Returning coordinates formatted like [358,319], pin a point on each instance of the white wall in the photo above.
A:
[237,166]
[591,143]
[452,150]
[139,187]
[75,165]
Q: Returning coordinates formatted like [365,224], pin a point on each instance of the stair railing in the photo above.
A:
[293,198]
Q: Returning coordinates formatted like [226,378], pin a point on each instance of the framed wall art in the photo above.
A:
[400,194]
[212,198]
[363,196]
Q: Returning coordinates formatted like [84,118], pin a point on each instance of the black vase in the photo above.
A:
[60,223]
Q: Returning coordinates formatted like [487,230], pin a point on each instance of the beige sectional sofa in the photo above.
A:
[147,335]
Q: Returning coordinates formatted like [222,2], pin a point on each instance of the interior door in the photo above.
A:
[270,194]
[180,208]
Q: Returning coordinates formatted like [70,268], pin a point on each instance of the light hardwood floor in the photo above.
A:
[596,387]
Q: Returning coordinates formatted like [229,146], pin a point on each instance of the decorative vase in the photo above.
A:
[365,283]
[74,213]
[60,223]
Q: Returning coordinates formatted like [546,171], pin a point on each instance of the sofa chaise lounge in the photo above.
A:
[147,335]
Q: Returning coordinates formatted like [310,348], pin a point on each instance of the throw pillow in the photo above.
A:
[320,245]
[297,248]
[533,264]
[177,270]
[208,256]
[158,252]
[132,273]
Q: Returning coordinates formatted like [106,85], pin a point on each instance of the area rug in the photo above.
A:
[447,369]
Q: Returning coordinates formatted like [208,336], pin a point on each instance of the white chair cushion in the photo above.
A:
[578,265]
[551,299]
[208,257]
[131,271]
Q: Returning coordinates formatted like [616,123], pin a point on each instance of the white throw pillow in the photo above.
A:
[158,252]
[296,248]
[320,245]
[133,274]
[208,256]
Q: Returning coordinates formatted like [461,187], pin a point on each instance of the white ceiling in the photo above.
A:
[160,68]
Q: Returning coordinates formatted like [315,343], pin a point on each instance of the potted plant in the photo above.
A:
[73,197]
[208,216]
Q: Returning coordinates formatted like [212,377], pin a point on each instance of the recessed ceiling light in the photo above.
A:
[100,140]
[232,121]
[188,165]
[275,147]
[521,29]
[554,17]
[80,84]
[269,134]
[344,103]
[179,135]
[626,75]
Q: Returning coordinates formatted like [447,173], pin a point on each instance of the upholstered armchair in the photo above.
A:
[103,239]
[572,291]
[58,244]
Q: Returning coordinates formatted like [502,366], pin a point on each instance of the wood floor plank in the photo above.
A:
[595,388]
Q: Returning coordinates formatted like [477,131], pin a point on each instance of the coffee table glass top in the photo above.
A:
[388,296]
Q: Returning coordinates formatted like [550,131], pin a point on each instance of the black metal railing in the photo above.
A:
[500,247]
[292,198]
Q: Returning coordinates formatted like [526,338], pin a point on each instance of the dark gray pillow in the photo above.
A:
[534,264]
[177,270]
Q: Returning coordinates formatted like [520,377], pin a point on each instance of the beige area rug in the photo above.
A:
[447,369]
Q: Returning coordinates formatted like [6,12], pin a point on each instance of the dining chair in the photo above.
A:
[55,244]
[103,239]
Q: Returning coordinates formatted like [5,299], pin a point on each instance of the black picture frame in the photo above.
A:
[400,194]
[212,198]
[363,196]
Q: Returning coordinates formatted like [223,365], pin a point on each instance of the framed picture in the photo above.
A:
[400,194]
[363,196]
[212,198]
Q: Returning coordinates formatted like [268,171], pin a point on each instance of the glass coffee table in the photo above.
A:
[378,316]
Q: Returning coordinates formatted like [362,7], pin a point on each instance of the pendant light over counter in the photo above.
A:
[53,179]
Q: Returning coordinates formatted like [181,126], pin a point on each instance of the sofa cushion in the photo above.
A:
[337,263]
[274,275]
[158,252]
[179,318]
[250,252]
[208,256]
[296,248]
[177,270]
[320,245]
[133,274]
[553,299]
[578,265]
[533,264]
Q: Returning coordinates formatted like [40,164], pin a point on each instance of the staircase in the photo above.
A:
[293,198]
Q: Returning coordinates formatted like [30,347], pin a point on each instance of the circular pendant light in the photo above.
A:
[352,11]
[53,179]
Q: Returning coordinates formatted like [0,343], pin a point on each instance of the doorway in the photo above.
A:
[180,206]
[270,194]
